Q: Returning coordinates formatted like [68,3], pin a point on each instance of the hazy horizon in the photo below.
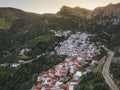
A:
[53,6]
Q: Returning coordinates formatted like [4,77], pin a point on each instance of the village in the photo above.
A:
[79,51]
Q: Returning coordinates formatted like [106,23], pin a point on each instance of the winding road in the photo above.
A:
[105,71]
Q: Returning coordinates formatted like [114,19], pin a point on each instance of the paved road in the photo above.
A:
[105,71]
[28,61]
[18,64]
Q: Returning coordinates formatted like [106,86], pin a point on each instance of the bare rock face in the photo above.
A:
[110,13]
[103,15]
[76,11]
[111,10]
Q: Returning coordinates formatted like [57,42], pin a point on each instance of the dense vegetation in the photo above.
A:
[20,29]
[92,81]
[23,77]
[115,72]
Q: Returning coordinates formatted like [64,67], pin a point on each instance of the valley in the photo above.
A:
[61,50]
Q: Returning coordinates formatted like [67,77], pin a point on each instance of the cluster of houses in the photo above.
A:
[61,33]
[67,74]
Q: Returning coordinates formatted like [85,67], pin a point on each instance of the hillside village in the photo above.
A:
[44,52]
[65,75]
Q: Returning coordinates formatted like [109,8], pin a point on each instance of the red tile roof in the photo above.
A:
[64,87]
[36,87]
[48,87]
[74,80]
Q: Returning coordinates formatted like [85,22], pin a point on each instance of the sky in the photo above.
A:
[53,6]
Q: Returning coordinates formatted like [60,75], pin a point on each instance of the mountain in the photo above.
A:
[21,30]
[109,13]
[76,11]
[18,28]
